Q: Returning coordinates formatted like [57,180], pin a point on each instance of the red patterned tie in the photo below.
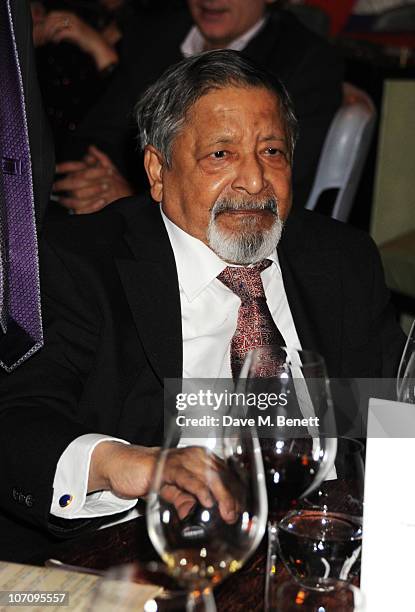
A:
[255,327]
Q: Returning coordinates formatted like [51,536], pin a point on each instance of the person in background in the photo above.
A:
[102,160]
[76,58]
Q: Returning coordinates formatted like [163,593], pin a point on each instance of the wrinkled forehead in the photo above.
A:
[234,108]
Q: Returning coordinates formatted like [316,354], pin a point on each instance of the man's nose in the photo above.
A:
[250,175]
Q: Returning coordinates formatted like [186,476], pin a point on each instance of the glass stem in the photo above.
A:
[271,564]
[191,602]
[206,598]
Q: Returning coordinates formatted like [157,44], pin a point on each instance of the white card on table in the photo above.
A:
[389,513]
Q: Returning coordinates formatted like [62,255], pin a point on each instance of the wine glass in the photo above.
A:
[199,542]
[407,385]
[316,544]
[345,492]
[335,512]
[298,430]
[406,372]
[333,596]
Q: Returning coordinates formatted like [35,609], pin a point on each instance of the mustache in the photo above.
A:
[228,204]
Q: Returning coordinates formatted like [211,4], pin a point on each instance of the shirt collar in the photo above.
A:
[194,41]
[197,265]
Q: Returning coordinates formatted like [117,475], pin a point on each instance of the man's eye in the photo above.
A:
[273,152]
[219,154]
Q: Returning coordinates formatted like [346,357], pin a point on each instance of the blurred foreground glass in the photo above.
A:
[200,547]
[316,544]
[298,442]
[405,382]
[333,596]
[345,492]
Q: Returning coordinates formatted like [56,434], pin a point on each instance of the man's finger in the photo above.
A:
[211,471]
[187,481]
[97,190]
[228,505]
[83,206]
[90,160]
[182,501]
[84,178]
[100,156]
[70,166]
[94,207]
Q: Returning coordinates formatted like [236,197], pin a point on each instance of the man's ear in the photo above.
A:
[153,164]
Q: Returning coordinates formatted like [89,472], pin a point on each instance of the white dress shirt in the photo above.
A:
[195,43]
[209,316]
[210,309]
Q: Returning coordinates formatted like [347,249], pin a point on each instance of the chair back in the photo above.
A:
[343,157]
[399,19]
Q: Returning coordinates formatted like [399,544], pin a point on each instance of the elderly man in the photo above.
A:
[306,64]
[143,291]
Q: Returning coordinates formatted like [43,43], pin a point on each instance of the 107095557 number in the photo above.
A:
[34,598]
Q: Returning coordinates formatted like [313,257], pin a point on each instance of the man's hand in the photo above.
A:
[90,184]
[190,475]
[64,26]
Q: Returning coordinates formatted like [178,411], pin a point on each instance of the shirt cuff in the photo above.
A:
[70,499]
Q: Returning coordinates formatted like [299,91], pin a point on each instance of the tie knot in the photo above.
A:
[246,283]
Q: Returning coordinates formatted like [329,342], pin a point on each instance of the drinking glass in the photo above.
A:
[331,596]
[199,544]
[405,381]
[407,384]
[345,492]
[298,441]
[316,544]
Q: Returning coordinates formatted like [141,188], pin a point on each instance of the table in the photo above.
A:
[129,541]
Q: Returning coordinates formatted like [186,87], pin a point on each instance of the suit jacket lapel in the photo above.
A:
[311,274]
[312,282]
[150,283]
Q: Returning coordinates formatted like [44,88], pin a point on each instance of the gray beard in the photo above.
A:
[251,245]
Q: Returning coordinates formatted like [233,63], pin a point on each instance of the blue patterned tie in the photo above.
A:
[20,315]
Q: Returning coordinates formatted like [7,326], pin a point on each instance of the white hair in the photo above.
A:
[251,244]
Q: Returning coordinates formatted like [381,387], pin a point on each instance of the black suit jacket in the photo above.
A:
[113,333]
[306,64]
[40,136]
